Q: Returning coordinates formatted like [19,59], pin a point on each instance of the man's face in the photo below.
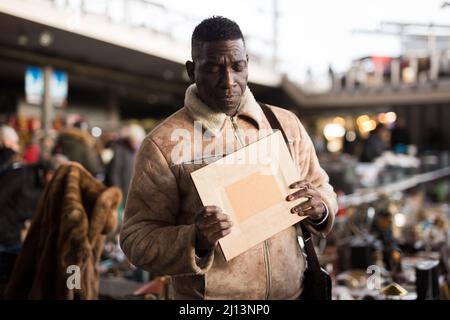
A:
[220,72]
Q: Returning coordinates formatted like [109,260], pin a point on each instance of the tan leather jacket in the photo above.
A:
[158,232]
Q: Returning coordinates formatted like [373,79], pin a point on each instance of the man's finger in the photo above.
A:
[300,184]
[213,209]
[312,209]
[300,210]
[302,193]
[216,227]
[211,219]
[305,206]
[207,210]
[315,213]
[213,235]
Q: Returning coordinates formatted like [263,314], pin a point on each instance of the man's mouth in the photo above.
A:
[228,97]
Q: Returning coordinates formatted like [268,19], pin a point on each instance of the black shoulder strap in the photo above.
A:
[273,120]
[313,261]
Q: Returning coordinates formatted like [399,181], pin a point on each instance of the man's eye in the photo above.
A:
[212,69]
[239,67]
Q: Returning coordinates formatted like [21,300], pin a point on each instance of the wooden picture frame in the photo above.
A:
[251,185]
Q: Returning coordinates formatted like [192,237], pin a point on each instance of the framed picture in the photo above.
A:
[251,185]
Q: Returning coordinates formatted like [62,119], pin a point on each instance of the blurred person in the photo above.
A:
[47,145]
[332,78]
[108,140]
[9,143]
[376,143]
[20,190]
[434,139]
[125,149]
[78,145]
[168,231]
[120,169]
[382,229]
[53,165]
[352,145]
[32,152]
[400,136]
[318,140]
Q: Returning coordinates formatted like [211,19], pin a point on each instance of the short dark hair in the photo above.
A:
[216,28]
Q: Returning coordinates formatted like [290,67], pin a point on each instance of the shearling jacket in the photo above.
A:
[159,232]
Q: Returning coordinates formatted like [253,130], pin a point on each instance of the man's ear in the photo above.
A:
[246,57]
[190,69]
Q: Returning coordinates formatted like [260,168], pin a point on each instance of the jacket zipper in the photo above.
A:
[267,265]
[236,131]
[266,242]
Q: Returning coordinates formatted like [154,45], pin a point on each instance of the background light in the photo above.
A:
[334,146]
[400,219]
[350,136]
[96,132]
[45,39]
[339,120]
[333,130]
[391,117]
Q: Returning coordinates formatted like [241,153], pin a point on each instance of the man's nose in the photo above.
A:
[227,79]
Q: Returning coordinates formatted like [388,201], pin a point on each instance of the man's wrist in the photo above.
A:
[201,253]
[201,250]
[318,222]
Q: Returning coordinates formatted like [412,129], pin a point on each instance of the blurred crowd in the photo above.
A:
[395,138]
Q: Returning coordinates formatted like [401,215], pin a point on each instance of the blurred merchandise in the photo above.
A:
[394,290]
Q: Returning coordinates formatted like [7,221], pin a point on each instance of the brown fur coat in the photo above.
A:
[72,220]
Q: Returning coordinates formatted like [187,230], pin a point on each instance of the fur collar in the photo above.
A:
[212,120]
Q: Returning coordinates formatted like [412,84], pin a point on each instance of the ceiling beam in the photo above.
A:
[106,75]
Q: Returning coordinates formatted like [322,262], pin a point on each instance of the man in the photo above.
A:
[376,143]
[166,228]
[120,169]
[400,136]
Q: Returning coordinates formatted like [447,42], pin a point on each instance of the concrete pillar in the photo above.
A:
[395,73]
[350,80]
[434,67]
[47,106]
[414,65]
[337,85]
[379,76]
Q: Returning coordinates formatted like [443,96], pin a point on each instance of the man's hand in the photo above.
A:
[314,208]
[211,224]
